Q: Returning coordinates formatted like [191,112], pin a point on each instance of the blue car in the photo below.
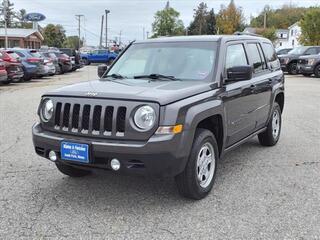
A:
[33,63]
[98,56]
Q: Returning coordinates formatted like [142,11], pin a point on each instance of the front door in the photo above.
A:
[239,100]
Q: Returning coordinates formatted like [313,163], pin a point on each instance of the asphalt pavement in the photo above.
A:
[259,193]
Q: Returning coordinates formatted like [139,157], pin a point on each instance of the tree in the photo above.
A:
[22,23]
[72,42]
[310,27]
[279,18]
[269,33]
[10,14]
[230,19]
[204,22]
[211,22]
[167,23]
[54,35]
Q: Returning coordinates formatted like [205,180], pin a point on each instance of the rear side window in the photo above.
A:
[271,55]
[35,54]
[256,57]
[20,54]
[236,56]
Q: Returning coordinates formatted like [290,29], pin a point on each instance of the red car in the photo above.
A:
[3,73]
[13,65]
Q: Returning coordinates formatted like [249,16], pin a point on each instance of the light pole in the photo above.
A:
[107,12]
[5,7]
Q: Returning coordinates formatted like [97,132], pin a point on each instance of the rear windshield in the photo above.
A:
[35,54]
[13,55]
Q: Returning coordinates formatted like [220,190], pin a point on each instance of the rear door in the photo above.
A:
[239,101]
[261,83]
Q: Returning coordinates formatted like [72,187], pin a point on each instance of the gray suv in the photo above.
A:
[167,107]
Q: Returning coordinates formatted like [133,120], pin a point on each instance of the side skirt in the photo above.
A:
[228,149]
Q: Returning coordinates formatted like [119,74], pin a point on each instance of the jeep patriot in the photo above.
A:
[167,107]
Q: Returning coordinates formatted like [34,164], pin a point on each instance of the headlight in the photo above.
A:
[311,61]
[286,60]
[46,110]
[145,118]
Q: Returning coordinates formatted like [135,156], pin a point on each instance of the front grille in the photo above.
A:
[90,119]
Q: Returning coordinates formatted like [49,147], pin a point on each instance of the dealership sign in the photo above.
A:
[35,17]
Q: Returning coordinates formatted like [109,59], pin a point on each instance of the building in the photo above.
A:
[294,35]
[282,38]
[286,38]
[23,38]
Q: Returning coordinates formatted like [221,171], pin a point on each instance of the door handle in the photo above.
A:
[253,86]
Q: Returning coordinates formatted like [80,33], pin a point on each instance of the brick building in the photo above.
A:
[23,38]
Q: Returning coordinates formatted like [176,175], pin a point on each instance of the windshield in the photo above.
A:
[298,50]
[181,60]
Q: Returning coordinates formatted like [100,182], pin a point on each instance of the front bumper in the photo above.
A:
[304,68]
[160,156]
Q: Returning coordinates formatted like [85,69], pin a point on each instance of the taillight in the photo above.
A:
[34,60]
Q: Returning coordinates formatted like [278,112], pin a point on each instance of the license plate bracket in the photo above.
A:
[75,152]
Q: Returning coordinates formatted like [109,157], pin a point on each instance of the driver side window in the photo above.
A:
[236,56]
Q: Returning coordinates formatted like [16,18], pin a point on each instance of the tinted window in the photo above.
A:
[35,54]
[236,56]
[255,57]
[271,55]
[20,54]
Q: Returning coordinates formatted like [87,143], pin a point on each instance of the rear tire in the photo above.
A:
[292,69]
[271,136]
[197,179]
[71,171]
[86,61]
[317,71]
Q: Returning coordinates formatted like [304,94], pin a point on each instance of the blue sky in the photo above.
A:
[130,16]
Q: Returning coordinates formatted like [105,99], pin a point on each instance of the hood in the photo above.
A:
[289,56]
[162,92]
[310,56]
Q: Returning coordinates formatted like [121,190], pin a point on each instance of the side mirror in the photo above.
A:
[102,69]
[239,73]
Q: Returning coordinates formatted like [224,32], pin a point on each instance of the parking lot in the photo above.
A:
[260,193]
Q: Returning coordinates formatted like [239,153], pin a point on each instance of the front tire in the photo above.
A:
[71,171]
[271,136]
[293,68]
[197,179]
[317,71]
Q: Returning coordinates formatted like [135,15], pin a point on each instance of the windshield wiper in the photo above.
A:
[115,75]
[156,76]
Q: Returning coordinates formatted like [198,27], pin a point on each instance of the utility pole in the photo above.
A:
[101,34]
[79,16]
[5,9]
[144,33]
[265,20]
[120,34]
[107,12]
[147,34]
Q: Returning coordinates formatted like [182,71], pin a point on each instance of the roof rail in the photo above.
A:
[249,34]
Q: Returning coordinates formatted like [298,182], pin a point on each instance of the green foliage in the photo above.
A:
[15,19]
[269,33]
[279,18]
[167,23]
[72,42]
[310,27]
[230,19]
[204,22]
[54,35]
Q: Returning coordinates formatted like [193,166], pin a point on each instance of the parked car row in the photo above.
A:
[302,60]
[19,64]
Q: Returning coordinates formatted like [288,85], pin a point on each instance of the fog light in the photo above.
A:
[52,156]
[115,164]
